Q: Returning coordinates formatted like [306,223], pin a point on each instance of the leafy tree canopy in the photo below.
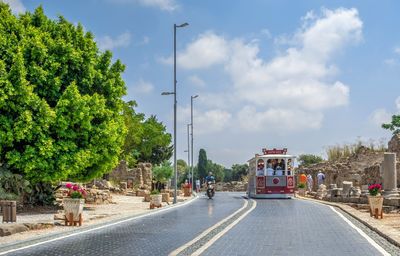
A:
[60,99]
[202,164]
[308,159]
[239,170]
[162,173]
[394,126]
[155,145]
[216,169]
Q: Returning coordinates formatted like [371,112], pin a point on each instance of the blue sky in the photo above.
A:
[298,74]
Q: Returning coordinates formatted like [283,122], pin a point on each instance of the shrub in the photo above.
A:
[374,189]
[301,185]
[155,192]
[75,191]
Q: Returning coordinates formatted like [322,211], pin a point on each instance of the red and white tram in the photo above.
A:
[271,175]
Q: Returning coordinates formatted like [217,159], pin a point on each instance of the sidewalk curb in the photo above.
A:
[46,237]
[337,205]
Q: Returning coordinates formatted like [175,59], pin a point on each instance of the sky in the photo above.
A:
[304,75]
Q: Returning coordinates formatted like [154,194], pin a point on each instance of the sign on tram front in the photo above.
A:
[274,151]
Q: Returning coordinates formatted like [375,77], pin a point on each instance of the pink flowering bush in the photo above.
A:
[75,191]
[374,189]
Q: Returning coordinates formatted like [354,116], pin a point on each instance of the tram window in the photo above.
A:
[260,167]
[270,169]
[289,164]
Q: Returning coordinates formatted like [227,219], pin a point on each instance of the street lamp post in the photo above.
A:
[175,103]
[188,148]
[191,124]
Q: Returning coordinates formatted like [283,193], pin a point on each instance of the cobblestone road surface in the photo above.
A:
[292,227]
[153,235]
[274,227]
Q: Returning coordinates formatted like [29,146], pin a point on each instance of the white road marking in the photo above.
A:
[219,235]
[205,232]
[98,228]
[369,239]
[226,229]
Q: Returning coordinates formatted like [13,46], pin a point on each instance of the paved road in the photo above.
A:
[273,227]
[292,227]
[153,235]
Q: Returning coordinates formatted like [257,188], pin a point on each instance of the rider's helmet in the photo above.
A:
[210,173]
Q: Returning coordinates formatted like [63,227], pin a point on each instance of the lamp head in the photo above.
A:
[183,25]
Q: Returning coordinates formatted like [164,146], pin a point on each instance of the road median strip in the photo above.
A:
[212,234]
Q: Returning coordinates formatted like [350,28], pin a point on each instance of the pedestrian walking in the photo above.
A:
[320,178]
[309,182]
[302,178]
[197,186]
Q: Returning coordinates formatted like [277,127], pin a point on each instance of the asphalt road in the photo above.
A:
[271,227]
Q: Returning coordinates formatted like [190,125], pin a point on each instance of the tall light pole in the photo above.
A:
[175,103]
[191,124]
[188,148]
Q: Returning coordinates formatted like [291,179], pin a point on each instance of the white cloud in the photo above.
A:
[206,122]
[207,50]
[380,116]
[390,62]
[108,43]
[143,87]
[275,119]
[397,50]
[212,121]
[196,81]
[145,40]
[294,87]
[16,6]
[265,32]
[165,5]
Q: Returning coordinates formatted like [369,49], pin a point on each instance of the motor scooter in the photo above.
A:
[210,190]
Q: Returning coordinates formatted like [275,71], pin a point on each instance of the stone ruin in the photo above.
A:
[135,178]
[349,177]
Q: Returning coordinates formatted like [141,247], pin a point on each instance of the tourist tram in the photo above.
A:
[271,175]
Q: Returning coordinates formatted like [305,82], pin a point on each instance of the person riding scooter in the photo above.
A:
[210,180]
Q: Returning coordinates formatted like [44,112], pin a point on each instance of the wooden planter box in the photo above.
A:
[73,210]
[375,206]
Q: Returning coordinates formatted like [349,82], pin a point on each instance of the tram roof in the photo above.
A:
[274,156]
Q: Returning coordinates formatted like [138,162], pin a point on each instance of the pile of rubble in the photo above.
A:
[231,186]
[349,179]
[361,168]
[93,196]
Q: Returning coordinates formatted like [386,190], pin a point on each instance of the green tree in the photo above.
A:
[162,173]
[183,170]
[394,126]
[309,159]
[155,146]
[239,170]
[60,100]
[216,169]
[135,130]
[146,139]
[202,164]
[227,175]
